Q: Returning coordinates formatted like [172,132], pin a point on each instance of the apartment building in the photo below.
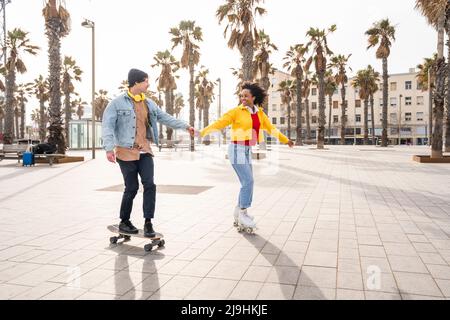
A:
[408,111]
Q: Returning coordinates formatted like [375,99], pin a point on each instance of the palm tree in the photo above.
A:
[306,90]
[330,88]
[2,117]
[339,63]
[70,72]
[123,86]
[17,42]
[320,51]
[437,13]
[41,90]
[101,101]
[295,59]
[261,65]
[205,90]
[374,80]
[166,81]
[286,89]
[79,106]
[362,82]
[23,92]
[383,33]
[57,24]
[35,116]
[179,105]
[187,34]
[241,15]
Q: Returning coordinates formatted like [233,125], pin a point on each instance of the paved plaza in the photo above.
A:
[348,222]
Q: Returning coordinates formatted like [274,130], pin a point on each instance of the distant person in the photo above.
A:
[129,125]
[247,121]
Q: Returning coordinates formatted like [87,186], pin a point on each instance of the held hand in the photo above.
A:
[291,144]
[111,156]
[191,131]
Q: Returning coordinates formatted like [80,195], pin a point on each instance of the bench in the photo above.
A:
[13,151]
[174,144]
[50,157]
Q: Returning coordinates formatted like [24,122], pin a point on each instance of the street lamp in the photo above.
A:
[400,120]
[90,24]
[220,102]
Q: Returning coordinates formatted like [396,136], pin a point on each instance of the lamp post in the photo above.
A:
[220,103]
[400,120]
[90,24]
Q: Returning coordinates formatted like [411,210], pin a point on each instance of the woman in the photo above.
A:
[247,121]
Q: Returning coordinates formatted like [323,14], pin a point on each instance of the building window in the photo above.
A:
[357,103]
[274,107]
[282,120]
[358,118]
[336,91]
[313,105]
[283,107]
[408,101]
[358,131]
[420,100]
[393,86]
[335,119]
[393,117]
[408,85]
[314,91]
[419,86]
[369,117]
[303,120]
[274,120]
[314,119]
[335,104]
[293,120]
[393,102]
[275,95]
[419,116]
[408,116]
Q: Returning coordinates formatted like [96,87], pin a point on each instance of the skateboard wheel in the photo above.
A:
[148,247]
[249,230]
[113,240]
[239,229]
[161,243]
[235,224]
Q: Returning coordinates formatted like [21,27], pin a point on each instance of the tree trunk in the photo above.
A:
[366,121]
[206,141]
[16,122]
[169,110]
[373,119]
[322,120]
[199,139]
[42,122]
[247,59]
[68,114]
[308,125]
[191,98]
[289,118]
[299,76]
[8,136]
[438,112]
[22,119]
[384,135]
[343,114]
[447,104]
[330,102]
[56,135]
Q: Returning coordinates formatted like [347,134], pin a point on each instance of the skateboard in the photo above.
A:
[156,241]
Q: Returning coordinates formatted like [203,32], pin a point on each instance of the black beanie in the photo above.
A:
[136,76]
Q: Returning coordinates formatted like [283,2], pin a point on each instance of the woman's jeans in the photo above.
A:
[130,170]
[241,159]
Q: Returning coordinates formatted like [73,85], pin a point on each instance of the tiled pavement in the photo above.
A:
[343,223]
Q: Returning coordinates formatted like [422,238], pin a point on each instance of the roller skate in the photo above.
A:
[236,216]
[245,223]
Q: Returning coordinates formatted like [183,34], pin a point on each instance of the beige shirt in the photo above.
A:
[141,143]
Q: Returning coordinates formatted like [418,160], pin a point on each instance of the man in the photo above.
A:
[129,125]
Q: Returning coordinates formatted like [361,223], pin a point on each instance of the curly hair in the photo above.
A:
[256,91]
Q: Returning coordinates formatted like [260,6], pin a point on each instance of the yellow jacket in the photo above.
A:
[241,125]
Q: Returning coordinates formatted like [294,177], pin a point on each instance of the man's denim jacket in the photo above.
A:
[119,122]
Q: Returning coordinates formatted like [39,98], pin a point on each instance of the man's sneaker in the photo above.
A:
[127,227]
[245,220]
[148,230]
[236,215]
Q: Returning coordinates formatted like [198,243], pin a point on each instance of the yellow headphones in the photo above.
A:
[137,98]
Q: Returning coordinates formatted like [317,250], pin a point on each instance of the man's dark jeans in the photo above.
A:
[130,170]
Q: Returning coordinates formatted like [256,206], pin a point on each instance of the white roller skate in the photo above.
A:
[236,216]
[245,223]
